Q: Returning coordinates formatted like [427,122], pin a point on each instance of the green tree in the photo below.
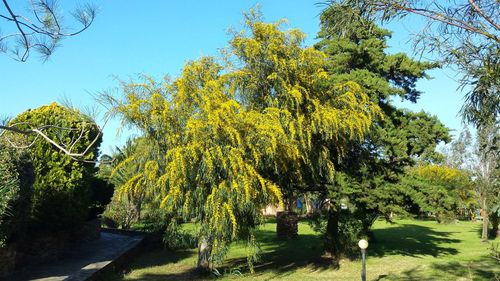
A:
[236,136]
[372,167]
[462,34]
[487,172]
[441,190]
[481,160]
[61,188]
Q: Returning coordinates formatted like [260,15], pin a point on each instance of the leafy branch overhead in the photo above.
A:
[42,29]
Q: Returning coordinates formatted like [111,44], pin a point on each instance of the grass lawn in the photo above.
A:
[406,250]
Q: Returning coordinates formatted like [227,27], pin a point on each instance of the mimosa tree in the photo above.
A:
[236,136]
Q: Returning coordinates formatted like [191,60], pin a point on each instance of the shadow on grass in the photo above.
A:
[188,274]
[411,240]
[492,235]
[283,258]
[156,255]
[485,268]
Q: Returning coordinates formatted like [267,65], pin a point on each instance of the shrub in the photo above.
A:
[351,229]
[62,185]
[120,212]
[177,237]
[101,192]
[16,183]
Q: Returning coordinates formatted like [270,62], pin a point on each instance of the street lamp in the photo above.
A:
[363,244]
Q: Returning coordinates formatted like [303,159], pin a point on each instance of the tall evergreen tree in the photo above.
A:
[357,52]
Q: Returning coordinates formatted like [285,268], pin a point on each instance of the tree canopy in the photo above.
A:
[440,190]
[61,183]
[235,134]
[372,166]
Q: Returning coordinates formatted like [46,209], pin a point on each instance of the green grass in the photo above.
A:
[406,250]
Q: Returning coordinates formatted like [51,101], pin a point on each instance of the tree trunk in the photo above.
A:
[138,212]
[495,220]
[204,252]
[287,225]
[290,203]
[332,234]
[486,221]
[484,234]
[309,207]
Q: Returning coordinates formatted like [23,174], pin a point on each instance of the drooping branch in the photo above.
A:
[44,32]
[462,34]
[483,15]
[448,20]
[466,17]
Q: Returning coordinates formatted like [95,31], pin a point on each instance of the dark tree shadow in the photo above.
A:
[284,257]
[484,268]
[492,236]
[187,275]
[280,257]
[411,240]
[161,256]
[157,255]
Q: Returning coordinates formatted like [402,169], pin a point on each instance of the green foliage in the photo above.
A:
[101,192]
[178,237]
[357,53]
[482,102]
[373,167]
[62,186]
[440,190]
[119,213]
[127,208]
[351,230]
[16,180]
[463,34]
[480,159]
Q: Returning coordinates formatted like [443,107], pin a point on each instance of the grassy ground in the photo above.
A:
[406,250]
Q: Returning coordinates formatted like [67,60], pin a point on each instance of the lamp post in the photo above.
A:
[363,244]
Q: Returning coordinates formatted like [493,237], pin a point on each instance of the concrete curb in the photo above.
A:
[122,259]
[93,261]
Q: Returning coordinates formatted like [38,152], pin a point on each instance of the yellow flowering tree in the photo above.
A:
[231,137]
[441,190]
[277,72]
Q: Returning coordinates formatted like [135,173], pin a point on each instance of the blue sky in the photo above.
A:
[157,37]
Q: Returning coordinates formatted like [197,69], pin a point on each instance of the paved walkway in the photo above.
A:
[82,261]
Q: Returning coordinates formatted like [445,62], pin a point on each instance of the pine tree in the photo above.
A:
[357,52]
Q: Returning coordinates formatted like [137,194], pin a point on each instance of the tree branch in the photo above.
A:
[483,15]
[46,24]
[14,18]
[38,131]
[438,17]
